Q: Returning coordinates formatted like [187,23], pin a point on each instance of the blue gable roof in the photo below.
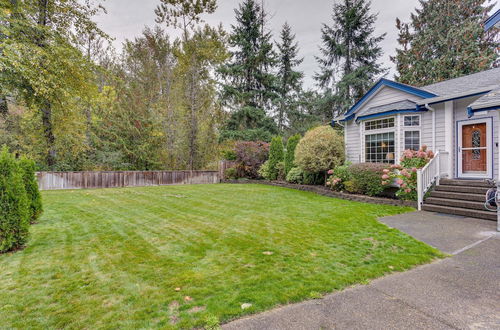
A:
[385,82]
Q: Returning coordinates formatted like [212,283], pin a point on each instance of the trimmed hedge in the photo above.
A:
[365,179]
[32,191]
[291,145]
[14,204]
[276,157]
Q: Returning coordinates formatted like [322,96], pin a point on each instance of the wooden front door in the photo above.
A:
[474,148]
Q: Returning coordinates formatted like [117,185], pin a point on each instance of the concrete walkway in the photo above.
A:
[460,292]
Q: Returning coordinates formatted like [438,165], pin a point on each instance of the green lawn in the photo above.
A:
[113,258]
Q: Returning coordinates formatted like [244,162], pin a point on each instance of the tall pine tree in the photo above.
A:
[249,82]
[445,39]
[289,79]
[350,53]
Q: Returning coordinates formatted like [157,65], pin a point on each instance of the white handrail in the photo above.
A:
[426,177]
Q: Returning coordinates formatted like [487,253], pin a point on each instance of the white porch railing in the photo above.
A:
[427,176]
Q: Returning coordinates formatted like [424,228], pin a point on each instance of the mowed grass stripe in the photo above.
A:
[111,258]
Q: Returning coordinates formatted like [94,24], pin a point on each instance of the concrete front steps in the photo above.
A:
[460,197]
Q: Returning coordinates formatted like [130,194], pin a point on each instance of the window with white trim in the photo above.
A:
[379,124]
[380,148]
[411,121]
[412,140]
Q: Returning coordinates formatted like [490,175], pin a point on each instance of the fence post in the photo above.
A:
[420,193]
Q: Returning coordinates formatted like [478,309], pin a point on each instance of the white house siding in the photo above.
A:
[386,95]
[440,129]
[460,113]
[352,141]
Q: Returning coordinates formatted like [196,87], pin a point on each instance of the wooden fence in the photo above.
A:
[85,180]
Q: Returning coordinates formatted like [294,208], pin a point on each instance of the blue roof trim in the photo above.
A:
[385,82]
[470,111]
[382,114]
[492,21]
[460,97]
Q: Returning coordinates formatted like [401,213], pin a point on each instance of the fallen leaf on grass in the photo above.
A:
[268,253]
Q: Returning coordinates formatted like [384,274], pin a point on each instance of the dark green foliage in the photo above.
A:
[313,178]
[14,205]
[290,152]
[249,157]
[32,191]
[289,79]
[445,39]
[276,156]
[249,83]
[350,53]
[249,124]
[365,179]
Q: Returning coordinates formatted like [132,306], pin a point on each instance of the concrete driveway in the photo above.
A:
[460,292]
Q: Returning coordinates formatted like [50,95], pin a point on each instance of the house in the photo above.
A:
[457,119]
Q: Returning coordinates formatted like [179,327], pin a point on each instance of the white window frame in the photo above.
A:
[393,129]
[419,137]
[413,115]
[411,129]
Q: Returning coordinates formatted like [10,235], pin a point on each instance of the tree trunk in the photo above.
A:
[4,109]
[48,133]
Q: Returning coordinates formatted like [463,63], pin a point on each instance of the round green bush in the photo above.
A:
[320,150]
[14,205]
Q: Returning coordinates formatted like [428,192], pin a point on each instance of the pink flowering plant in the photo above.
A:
[405,174]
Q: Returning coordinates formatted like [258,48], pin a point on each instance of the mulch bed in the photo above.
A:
[324,191]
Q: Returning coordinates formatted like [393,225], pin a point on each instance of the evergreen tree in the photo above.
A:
[291,144]
[289,80]
[249,83]
[276,156]
[32,191]
[14,205]
[350,53]
[445,39]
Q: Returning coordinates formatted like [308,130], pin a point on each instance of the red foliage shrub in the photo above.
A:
[249,157]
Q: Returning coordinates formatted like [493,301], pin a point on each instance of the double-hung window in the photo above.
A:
[412,132]
[380,141]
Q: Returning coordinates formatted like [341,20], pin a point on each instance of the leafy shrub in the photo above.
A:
[228,154]
[14,205]
[280,167]
[405,174]
[231,173]
[295,175]
[264,170]
[249,157]
[291,145]
[338,177]
[367,177]
[32,191]
[314,178]
[353,187]
[363,178]
[275,156]
[321,149]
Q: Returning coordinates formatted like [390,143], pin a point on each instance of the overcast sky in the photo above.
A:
[127,18]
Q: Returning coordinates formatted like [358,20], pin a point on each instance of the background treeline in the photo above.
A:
[71,102]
